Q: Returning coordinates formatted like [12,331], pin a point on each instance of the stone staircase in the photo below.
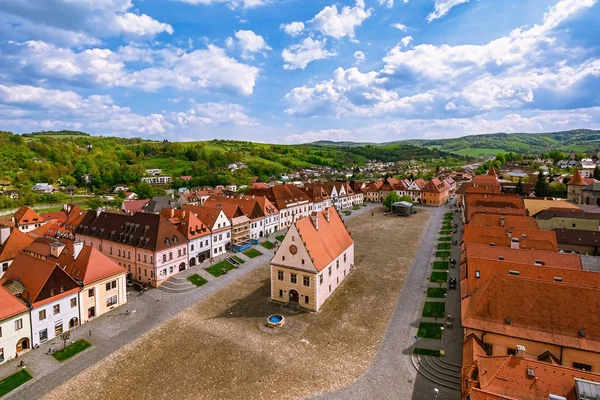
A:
[177,284]
[438,371]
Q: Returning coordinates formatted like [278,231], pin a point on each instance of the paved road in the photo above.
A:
[392,376]
[122,326]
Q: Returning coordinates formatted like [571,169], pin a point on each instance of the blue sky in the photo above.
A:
[290,71]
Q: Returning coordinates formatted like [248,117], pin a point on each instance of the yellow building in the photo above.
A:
[314,258]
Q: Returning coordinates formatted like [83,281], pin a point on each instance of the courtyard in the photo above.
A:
[219,348]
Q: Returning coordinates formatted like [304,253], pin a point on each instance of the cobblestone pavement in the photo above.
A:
[109,332]
[392,375]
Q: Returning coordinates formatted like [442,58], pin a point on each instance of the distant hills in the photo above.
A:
[578,140]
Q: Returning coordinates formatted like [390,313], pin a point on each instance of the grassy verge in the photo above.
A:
[434,310]
[429,330]
[252,253]
[197,280]
[436,293]
[445,238]
[356,208]
[441,265]
[439,277]
[71,350]
[442,254]
[267,245]
[444,246]
[428,352]
[280,238]
[347,212]
[215,270]
[14,381]
[236,258]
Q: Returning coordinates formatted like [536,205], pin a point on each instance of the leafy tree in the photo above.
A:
[519,188]
[501,158]
[95,203]
[391,199]
[597,173]
[541,185]
[480,170]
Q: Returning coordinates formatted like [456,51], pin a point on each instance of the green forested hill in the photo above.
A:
[68,156]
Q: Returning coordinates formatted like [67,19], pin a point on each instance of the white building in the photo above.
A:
[220,227]
[157,180]
[153,171]
[15,326]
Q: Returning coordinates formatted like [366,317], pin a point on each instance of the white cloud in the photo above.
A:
[313,136]
[293,28]
[233,4]
[251,43]
[400,27]
[213,114]
[359,56]
[442,7]
[202,69]
[141,25]
[406,40]
[336,24]
[298,56]
[387,3]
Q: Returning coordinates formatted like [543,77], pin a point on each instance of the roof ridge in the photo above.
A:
[496,373]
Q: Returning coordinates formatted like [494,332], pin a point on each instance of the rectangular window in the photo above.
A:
[52,292]
[144,258]
[91,292]
[337,264]
[477,274]
[321,279]
[170,255]
[110,250]
[43,335]
[511,352]
[279,275]
[282,258]
[330,270]
[329,288]
[191,247]
[293,278]
[344,257]
[58,328]
[488,348]
[164,258]
[111,301]
[170,270]
[119,252]
[56,309]
[306,299]
[107,286]
[584,367]
[280,293]
[139,257]
[113,284]
[42,315]
[306,281]
[74,302]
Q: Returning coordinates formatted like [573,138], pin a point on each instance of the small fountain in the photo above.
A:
[275,321]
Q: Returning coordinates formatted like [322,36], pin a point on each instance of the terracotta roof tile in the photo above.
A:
[550,259]
[10,304]
[471,211]
[26,215]
[327,243]
[505,241]
[15,243]
[282,195]
[134,206]
[471,232]
[577,179]
[186,222]
[534,206]
[507,221]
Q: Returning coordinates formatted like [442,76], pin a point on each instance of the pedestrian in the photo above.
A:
[90,333]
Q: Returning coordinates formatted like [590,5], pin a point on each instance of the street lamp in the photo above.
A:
[436,391]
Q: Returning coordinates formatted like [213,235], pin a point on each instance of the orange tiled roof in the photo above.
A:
[435,186]
[534,205]
[472,231]
[26,215]
[537,310]
[494,200]
[509,221]
[472,210]
[528,243]
[10,304]
[134,206]
[90,266]
[577,179]
[15,243]
[327,243]
[186,222]
[550,259]
[207,215]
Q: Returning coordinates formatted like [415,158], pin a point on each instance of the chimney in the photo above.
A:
[56,248]
[77,247]
[314,217]
[4,234]
[172,212]
[514,243]
[326,212]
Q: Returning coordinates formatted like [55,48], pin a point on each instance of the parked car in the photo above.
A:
[452,283]
[140,286]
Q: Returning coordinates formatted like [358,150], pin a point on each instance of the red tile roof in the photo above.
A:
[508,221]
[541,311]
[528,243]
[550,259]
[435,186]
[133,206]
[186,222]
[90,266]
[15,243]
[493,210]
[11,306]
[329,241]
[494,200]
[207,215]
[577,180]
[471,232]
[26,215]
[282,196]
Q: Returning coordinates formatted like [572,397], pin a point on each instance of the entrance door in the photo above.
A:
[294,297]
[73,322]
[181,267]
[91,312]
[22,344]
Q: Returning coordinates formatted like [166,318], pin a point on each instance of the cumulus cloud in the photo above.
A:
[443,7]
[406,40]
[251,43]
[298,56]
[400,27]
[233,4]
[213,114]
[338,24]
[202,69]
[293,28]
[85,21]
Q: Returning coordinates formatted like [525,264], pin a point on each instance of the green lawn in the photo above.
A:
[197,280]
[478,152]
[347,212]
[14,381]
[441,265]
[428,352]
[215,270]
[439,277]
[436,293]
[267,245]
[252,252]
[356,208]
[434,309]
[446,231]
[71,350]
[444,246]
[236,258]
[442,254]
[280,238]
[429,330]
[445,238]
[448,214]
